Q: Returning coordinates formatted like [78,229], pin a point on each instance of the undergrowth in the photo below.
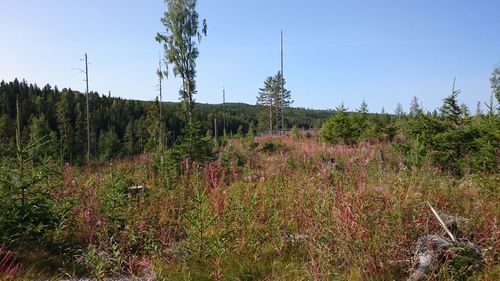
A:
[278,209]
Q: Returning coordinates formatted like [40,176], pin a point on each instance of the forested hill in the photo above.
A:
[295,116]
[118,126]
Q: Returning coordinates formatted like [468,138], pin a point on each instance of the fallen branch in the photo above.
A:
[436,251]
[429,248]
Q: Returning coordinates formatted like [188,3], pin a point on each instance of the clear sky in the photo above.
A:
[382,51]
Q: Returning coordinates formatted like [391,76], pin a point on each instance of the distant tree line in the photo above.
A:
[57,119]
[52,122]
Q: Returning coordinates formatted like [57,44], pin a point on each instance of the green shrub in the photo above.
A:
[416,154]
[230,155]
[109,145]
[28,208]
[295,133]
[338,129]
[193,146]
[272,146]
[460,263]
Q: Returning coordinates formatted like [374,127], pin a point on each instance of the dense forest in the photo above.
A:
[117,126]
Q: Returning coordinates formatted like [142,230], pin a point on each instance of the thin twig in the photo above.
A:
[442,223]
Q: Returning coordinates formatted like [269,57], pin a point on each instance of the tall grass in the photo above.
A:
[8,264]
[280,209]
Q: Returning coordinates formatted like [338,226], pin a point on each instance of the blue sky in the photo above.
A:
[382,51]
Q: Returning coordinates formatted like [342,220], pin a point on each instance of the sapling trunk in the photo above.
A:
[20,162]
